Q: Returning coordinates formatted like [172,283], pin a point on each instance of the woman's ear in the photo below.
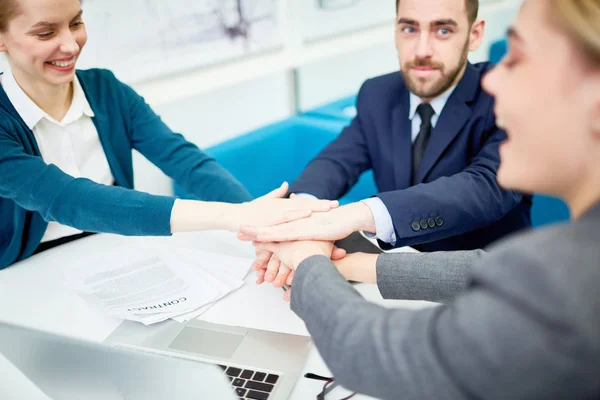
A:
[591,93]
[2,46]
[596,124]
[596,110]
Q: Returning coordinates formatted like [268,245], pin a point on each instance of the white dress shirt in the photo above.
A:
[383,220]
[73,144]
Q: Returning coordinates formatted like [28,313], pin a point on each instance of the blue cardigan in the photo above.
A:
[33,192]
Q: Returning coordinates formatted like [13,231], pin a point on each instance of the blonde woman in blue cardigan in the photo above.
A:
[66,140]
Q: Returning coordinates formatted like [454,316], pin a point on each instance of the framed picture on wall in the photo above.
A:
[144,39]
[333,4]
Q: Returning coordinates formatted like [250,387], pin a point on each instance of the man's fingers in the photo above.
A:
[262,258]
[272,269]
[270,247]
[290,278]
[287,296]
[260,276]
[282,275]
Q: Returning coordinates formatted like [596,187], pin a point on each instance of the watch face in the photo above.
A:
[330,4]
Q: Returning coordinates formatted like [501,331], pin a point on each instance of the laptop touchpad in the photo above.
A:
[207,342]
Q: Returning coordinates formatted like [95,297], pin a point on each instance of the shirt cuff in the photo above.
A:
[306,196]
[383,221]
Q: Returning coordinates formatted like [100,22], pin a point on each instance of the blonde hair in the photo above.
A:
[8,10]
[581,21]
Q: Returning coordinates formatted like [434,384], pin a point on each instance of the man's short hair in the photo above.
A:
[472,9]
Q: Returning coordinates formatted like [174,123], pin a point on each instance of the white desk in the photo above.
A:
[32,294]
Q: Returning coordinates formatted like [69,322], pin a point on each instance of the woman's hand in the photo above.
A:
[358,267]
[272,209]
[291,254]
[270,269]
[330,226]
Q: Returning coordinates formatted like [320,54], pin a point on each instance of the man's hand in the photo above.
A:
[330,226]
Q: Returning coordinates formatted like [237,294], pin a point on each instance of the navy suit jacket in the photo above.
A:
[456,203]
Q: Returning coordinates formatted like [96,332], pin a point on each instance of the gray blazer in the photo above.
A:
[522,321]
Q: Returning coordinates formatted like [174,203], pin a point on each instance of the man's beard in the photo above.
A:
[440,86]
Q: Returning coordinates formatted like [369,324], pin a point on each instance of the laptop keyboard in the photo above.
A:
[249,384]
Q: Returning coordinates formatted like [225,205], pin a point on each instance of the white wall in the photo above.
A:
[328,80]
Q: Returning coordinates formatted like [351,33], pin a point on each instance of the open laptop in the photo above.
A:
[259,364]
[65,368]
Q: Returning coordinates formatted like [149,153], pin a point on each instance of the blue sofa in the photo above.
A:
[342,110]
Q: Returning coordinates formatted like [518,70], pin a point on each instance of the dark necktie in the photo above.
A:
[425,112]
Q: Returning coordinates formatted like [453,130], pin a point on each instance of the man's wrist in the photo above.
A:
[363,218]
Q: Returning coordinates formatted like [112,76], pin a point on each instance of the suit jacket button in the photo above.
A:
[439,221]
[416,226]
[431,222]
[424,224]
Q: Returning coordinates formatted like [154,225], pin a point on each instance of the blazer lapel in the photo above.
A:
[401,142]
[454,116]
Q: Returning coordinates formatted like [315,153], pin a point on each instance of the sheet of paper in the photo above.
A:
[227,269]
[146,284]
[152,284]
[194,314]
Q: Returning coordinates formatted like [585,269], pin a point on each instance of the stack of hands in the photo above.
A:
[305,227]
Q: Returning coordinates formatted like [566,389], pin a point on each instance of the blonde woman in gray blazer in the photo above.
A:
[519,321]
